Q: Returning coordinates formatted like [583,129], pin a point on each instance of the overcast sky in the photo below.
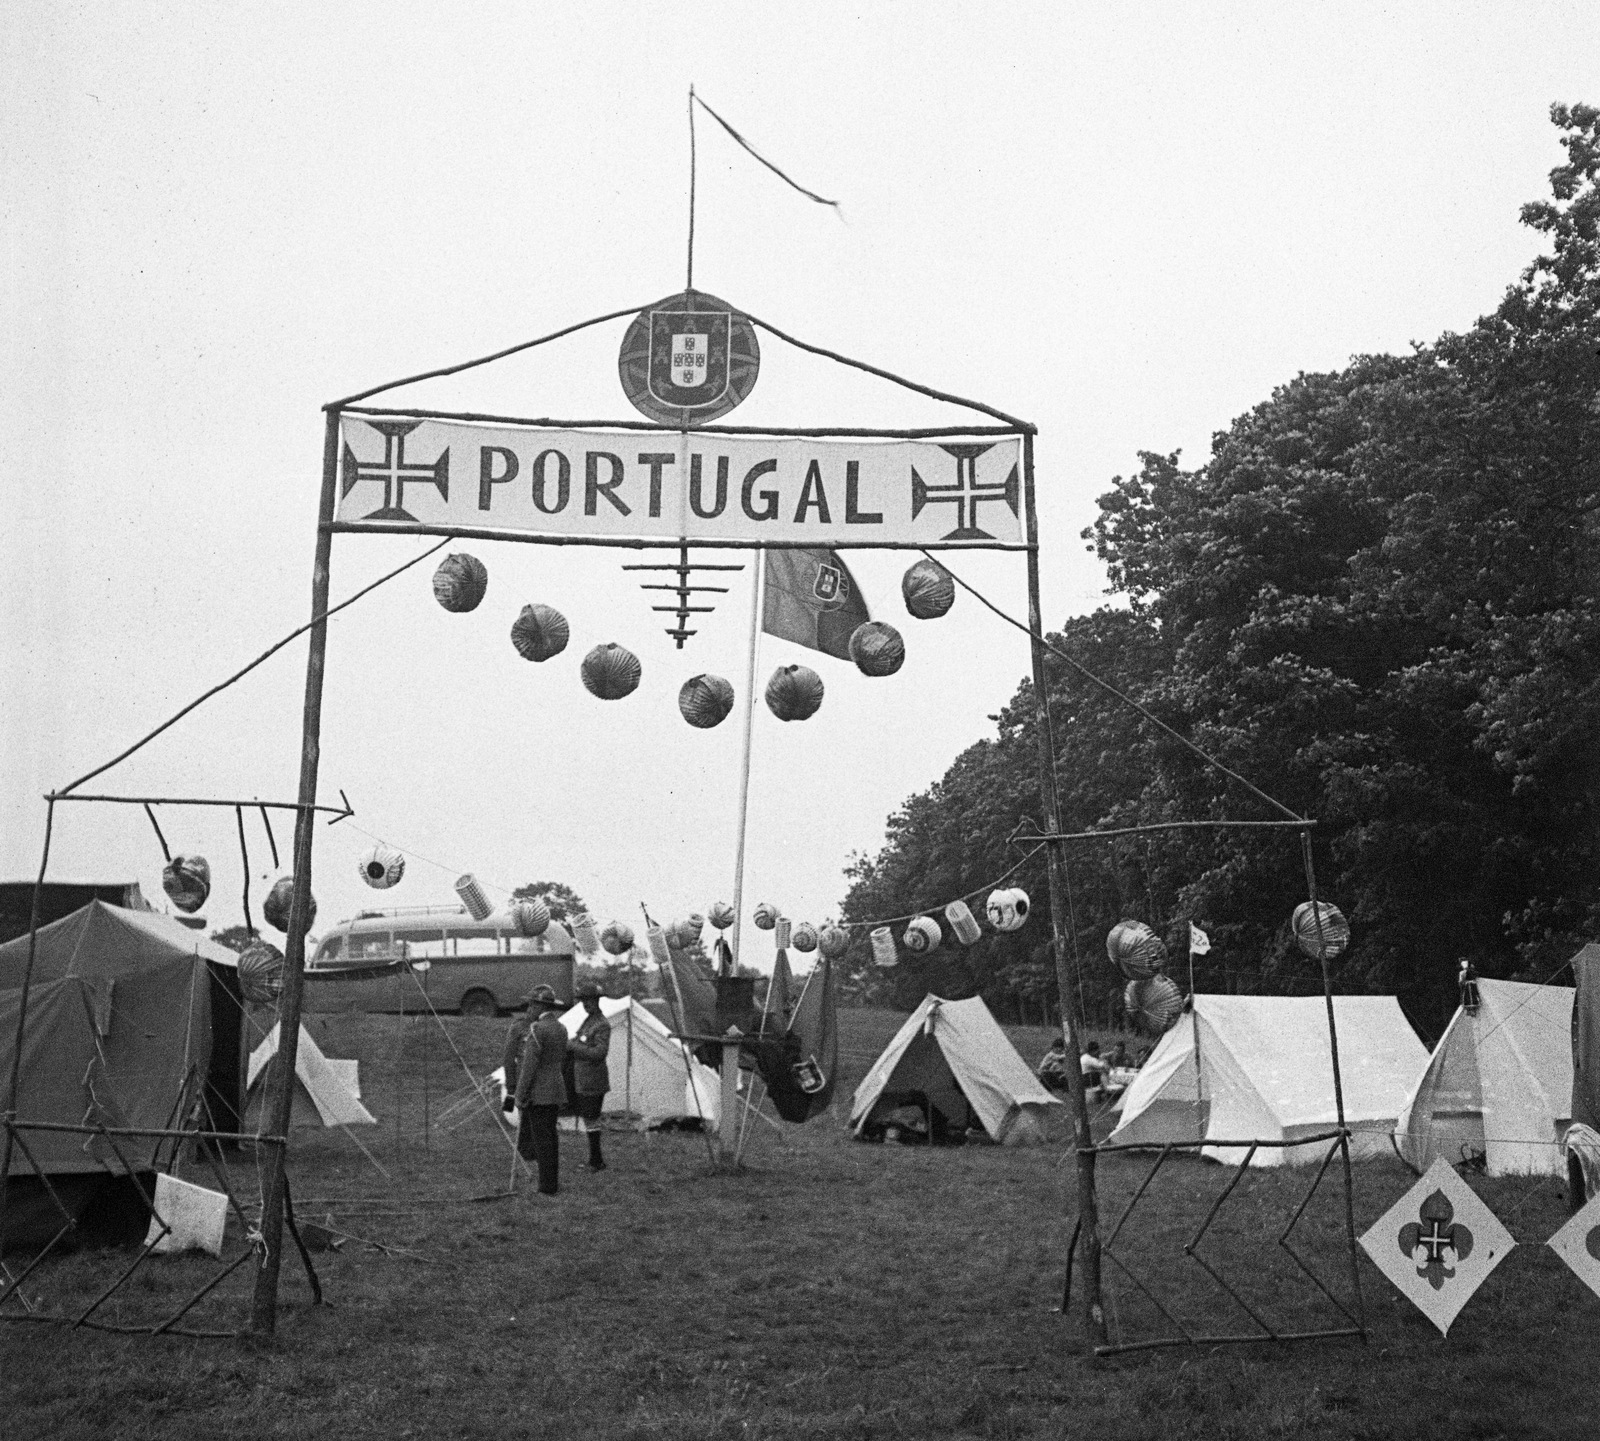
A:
[1124,223]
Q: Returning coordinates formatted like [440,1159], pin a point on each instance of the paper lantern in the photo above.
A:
[381,866]
[1007,909]
[187,882]
[584,933]
[1335,930]
[1135,949]
[766,916]
[721,915]
[794,693]
[617,939]
[833,942]
[275,909]
[478,905]
[539,632]
[1153,1003]
[883,947]
[693,926]
[656,939]
[705,700]
[877,648]
[961,922]
[805,937]
[460,582]
[784,933]
[922,935]
[611,671]
[531,917]
[928,590]
[261,972]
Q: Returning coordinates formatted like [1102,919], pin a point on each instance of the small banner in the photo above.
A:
[812,599]
[697,487]
[1199,941]
[1438,1244]
[1578,1244]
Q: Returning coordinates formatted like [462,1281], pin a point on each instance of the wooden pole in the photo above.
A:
[280,1075]
[756,582]
[1094,1321]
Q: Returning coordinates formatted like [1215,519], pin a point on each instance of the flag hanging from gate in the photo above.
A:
[812,599]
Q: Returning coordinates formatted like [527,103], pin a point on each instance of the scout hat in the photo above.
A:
[587,991]
[542,998]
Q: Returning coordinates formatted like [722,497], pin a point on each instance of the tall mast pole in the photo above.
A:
[757,584]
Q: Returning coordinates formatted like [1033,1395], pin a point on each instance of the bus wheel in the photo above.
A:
[479,1003]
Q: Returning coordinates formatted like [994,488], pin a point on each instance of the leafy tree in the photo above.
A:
[564,902]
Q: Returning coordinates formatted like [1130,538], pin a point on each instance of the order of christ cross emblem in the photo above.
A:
[394,472]
[967,493]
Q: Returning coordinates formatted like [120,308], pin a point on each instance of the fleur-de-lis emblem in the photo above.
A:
[1434,1243]
[1591,1242]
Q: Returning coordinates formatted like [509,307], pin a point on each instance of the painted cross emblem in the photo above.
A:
[1434,1243]
[967,493]
[394,472]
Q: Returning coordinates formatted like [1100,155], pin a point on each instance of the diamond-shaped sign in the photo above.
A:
[1578,1244]
[1438,1244]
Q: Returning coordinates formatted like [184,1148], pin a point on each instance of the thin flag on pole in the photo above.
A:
[812,599]
[1199,941]
[747,146]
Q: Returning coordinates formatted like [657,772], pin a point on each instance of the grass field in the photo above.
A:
[830,1290]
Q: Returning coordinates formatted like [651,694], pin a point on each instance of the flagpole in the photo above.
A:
[757,585]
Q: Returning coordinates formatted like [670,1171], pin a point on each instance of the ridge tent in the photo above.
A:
[1499,1082]
[658,1086]
[955,1054]
[328,1092]
[1264,1072]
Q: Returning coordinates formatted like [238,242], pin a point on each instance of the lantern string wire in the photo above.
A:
[240,674]
[1110,689]
[965,895]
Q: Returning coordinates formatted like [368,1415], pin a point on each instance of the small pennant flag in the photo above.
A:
[1437,1244]
[1199,941]
[1578,1244]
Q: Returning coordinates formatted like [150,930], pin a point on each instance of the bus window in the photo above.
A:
[328,950]
[477,945]
[421,945]
[370,945]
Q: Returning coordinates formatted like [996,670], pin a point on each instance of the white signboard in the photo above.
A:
[750,489]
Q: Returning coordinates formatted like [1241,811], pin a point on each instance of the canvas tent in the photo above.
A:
[656,1086]
[1259,1068]
[955,1055]
[327,1093]
[1499,1084]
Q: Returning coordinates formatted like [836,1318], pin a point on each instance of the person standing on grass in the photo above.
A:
[540,1090]
[591,1076]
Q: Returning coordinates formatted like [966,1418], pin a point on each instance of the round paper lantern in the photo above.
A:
[460,582]
[584,933]
[794,693]
[721,915]
[833,942]
[261,972]
[539,632]
[617,939]
[187,882]
[381,866]
[1335,931]
[922,935]
[928,590]
[1007,909]
[275,909]
[1135,949]
[1153,1003]
[883,947]
[611,672]
[876,648]
[961,922]
[532,917]
[805,937]
[694,925]
[766,916]
[705,700]
[478,905]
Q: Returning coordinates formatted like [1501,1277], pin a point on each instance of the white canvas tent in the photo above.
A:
[656,1084]
[1264,1072]
[1499,1083]
[328,1093]
[950,1050]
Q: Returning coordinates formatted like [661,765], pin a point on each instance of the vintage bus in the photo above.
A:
[409,959]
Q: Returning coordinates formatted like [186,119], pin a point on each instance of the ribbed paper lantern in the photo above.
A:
[532,918]
[584,933]
[783,933]
[1135,949]
[381,867]
[694,924]
[721,915]
[187,882]
[275,909]
[1007,909]
[261,972]
[460,582]
[1153,1003]
[922,935]
[961,922]
[1335,930]
[833,942]
[705,700]
[805,937]
[611,671]
[928,590]
[876,648]
[766,916]
[883,947]
[539,632]
[617,939]
[656,939]
[794,693]
[478,905]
